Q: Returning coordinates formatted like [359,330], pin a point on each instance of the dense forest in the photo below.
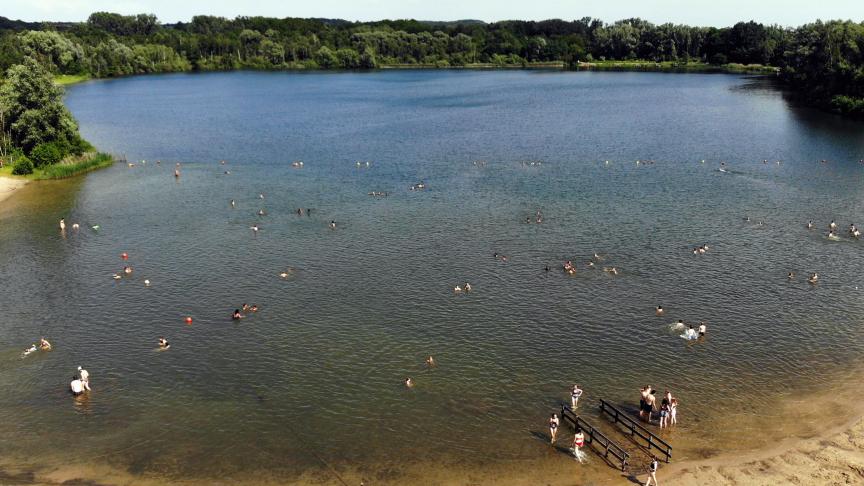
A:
[822,61]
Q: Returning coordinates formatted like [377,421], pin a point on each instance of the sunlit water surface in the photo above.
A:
[312,383]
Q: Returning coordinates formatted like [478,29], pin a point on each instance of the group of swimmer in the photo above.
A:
[44,345]
[80,382]
[832,230]
[538,218]
[465,288]
[430,363]
[570,268]
[700,250]
[239,313]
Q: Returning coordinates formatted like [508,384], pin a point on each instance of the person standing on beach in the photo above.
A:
[574,396]
[652,471]
[554,422]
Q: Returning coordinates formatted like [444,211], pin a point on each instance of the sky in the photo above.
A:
[716,13]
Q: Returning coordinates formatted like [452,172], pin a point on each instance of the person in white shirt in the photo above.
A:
[76,386]
[702,329]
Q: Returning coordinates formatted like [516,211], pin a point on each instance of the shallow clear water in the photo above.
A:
[313,380]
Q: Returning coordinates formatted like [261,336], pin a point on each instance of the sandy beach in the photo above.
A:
[9,185]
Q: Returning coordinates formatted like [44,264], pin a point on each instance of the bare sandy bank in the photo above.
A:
[833,459]
[9,185]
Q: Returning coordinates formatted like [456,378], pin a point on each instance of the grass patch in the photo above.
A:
[73,166]
[671,66]
[67,79]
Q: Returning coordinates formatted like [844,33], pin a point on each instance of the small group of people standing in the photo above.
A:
[668,409]
[80,382]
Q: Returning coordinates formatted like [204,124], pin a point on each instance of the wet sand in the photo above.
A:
[9,185]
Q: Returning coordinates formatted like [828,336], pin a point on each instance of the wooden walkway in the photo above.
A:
[601,444]
[636,430]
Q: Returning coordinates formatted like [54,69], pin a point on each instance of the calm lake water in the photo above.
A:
[310,387]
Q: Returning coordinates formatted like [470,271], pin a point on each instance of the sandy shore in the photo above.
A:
[836,458]
[9,185]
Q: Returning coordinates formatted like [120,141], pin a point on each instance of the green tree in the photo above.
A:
[33,107]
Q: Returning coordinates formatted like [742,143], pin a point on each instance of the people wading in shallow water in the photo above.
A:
[578,443]
[574,396]
[554,422]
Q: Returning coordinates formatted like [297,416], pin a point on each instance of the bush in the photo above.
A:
[62,171]
[719,58]
[23,166]
[46,154]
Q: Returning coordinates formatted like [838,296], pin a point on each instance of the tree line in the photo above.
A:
[822,61]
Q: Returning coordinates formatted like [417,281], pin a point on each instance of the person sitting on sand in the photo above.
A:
[163,343]
[236,315]
[44,345]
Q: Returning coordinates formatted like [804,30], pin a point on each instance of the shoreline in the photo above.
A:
[8,186]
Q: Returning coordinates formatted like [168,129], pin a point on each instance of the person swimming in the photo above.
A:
[810,224]
[75,226]
[44,345]
[31,349]
[127,270]
[659,311]
[457,289]
[467,287]
[814,278]
[332,224]
[76,387]
[163,343]
[62,224]
[832,226]
[702,328]
[430,362]
[254,308]
[236,315]
[85,378]
[233,204]
[176,173]
[690,333]
[261,212]
[791,275]
[254,228]
[409,383]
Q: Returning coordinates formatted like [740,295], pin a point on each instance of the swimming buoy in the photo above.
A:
[188,320]
[124,256]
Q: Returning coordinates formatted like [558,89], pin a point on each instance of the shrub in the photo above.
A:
[23,166]
[46,154]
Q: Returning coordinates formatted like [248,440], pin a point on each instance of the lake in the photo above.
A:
[310,388]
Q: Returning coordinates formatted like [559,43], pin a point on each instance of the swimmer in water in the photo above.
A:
[245,307]
[236,315]
[702,329]
[791,275]
[233,204]
[261,212]
[546,269]
[75,226]
[332,224]
[832,226]
[85,378]
[810,224]
[813,278]
[578,443]
[457,289]
[409,383]
[31,349]
[430,362]
[116,276]
[163,343]
[679,324]
[554,422]
[254,308]
[62,224]
[691,333]
[467,287]
[659,311]
[176,173]
[127,270]
[146,282]
[44,345]
[254,228]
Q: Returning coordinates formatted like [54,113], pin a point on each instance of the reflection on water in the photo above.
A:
[311,385]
